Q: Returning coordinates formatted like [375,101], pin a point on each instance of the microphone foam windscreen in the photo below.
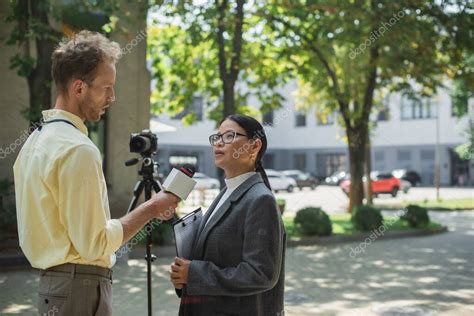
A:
[179,184]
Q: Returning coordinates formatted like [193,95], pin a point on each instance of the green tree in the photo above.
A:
[35,36]
[344,52]
[33,32]
[216,50]
[466,150]
[462,92]
[463,88]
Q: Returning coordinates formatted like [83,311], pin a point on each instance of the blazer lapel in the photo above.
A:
[235,196]
[211,209]
[206,217]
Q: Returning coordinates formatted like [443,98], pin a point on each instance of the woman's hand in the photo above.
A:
[177,286]
[179,272]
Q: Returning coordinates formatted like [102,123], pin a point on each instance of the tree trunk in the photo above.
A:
[39,79]
[229,76]
[368,169]
[39,82]
[357,139]
[229,98]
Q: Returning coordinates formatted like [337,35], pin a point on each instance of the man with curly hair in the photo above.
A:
[64,223]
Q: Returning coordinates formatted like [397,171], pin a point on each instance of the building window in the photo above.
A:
[327,164]
[379,160]
[196,107]
[383,115]
[177,161]
[382,110]
[300,119]
[379,156]
[299,161]
[403,155]
[268,161]
[323,118]
[267,118]
[428,154]
[418,108]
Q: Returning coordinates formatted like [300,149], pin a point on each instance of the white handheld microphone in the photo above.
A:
[180,182]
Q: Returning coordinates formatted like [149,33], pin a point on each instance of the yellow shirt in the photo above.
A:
[61,197]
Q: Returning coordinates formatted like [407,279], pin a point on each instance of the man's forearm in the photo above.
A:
[135,220]
[162,206]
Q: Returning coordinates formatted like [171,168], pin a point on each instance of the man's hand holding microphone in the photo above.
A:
[162,205]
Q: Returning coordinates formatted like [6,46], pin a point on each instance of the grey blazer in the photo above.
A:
[238,265]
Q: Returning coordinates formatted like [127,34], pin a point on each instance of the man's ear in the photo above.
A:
[77,87]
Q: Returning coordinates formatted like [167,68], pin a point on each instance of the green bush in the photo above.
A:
[313,221]
[416,216]
[281,205]
[7,209]
[366,218]
[163,234]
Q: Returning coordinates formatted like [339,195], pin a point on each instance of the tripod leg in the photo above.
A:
[149,257]
[137,191]
[156,186]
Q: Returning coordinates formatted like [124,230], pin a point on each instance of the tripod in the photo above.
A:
[148,183]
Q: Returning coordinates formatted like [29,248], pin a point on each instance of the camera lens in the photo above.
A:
[139,144]
[144,143]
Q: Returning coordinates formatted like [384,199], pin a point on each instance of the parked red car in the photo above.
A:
[381,183]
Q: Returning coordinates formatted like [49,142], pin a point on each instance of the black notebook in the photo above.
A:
[184,231]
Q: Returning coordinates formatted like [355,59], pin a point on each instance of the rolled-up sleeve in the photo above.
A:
[114,232]
[83,204]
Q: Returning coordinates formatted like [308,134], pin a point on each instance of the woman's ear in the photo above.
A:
[256,146]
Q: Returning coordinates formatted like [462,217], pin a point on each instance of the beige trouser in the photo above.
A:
[74,289]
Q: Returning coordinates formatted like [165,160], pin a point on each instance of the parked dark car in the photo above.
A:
[411,176]
[302,179]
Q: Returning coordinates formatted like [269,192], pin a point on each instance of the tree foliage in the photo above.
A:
[35,36]
[463,89]
[346,53]
[215,50]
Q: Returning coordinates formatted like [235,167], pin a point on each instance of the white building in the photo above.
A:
[405,137]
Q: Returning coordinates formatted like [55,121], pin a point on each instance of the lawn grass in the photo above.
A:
[451,204]
[342,225]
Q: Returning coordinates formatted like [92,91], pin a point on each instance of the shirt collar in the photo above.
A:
[234,182]
[74,119]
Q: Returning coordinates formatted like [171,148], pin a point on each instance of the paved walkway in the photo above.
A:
[412,276]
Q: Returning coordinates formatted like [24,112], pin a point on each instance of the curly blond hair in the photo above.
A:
[79,57]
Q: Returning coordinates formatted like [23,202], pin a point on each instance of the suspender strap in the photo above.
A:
[56,120]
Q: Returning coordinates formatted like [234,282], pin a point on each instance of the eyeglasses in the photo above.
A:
[226,138]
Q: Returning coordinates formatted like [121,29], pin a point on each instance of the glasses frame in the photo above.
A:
[222,139]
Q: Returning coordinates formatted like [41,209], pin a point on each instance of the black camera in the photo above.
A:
[144,143]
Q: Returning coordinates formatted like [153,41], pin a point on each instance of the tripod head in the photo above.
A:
[148,166]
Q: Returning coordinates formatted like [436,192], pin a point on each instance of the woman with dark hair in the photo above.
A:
[237,265]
